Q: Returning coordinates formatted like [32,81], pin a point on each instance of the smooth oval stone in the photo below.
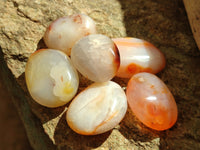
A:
[137,55]
[97,109]
[151,101]
[64,32]
[50,77]
[96,57]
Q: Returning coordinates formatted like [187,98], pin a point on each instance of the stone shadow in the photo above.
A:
[65,138]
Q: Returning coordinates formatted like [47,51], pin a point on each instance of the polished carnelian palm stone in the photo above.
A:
[151,101]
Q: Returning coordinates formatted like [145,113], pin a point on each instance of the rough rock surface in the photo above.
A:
[163,23]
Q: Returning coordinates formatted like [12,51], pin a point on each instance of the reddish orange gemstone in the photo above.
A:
[151,101]
[136,56]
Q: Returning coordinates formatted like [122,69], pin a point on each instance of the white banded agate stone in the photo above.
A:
[97,109]
[151,101]
[51,79]
[136,56]
[64,32]
[96,57]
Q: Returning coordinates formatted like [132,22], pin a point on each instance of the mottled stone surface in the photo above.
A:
[163,23]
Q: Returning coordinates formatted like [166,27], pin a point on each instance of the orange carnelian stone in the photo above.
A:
[151,101]
[136,56]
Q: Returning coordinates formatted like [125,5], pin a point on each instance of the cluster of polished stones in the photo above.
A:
[73,45]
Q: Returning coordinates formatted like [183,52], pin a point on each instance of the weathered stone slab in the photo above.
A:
[163,23]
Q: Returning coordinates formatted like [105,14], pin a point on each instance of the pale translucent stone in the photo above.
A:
[63,33]
[151,101]
[97,109]
[51,79]
[96,57]
[137,55]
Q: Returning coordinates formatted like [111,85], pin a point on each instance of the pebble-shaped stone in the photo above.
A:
[97,109]
[50,77]
[137,55]
[96,57]
[64,32]
[151,101]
